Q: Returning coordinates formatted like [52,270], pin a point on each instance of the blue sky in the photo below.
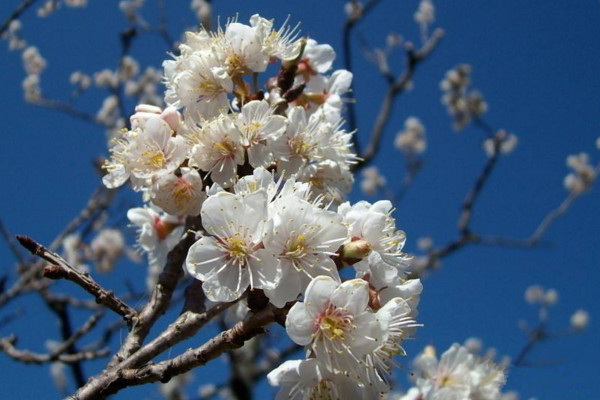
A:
[536,63]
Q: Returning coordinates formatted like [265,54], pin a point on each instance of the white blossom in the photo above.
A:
[335,323]
[303,237]
[219,150]
[229,258]
[144,153]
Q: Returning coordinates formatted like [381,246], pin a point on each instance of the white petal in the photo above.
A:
[299,324]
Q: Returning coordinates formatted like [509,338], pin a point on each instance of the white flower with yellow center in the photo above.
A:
[334,321]
[308,380]
[144,154]
[231,258]
[304,237]
[281,44]
[218,150]
[198,83]
[260,128]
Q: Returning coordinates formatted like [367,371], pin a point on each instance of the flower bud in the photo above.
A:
[356,249]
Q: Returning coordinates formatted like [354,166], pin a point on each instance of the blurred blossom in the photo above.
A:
[462,105]
[393,40]
[47,8]
[412,139]
[106,248]
[175,387]
[372,181]
[551,297]
[536,294]
[353,10]
[203,11]
[474,345]
[33,62]
[109,111]
[106,78]
[130,8]
[59,376]
[508,142]
[582,176]
[425,243]
[425,14]
[31,88]
[129,68]
[80,80]
[580,319]
[13,36]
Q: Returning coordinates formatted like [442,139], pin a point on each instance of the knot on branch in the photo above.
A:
[54,272]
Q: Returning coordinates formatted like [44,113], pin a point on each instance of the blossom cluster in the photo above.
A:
[251,144]
[458,374]
[462,103]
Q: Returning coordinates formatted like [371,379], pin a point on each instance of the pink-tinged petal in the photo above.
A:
[158,130]
[318,293]
[205,258]
[300,325]
[352,295]
[171,117]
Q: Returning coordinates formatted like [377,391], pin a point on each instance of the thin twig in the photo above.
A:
[60,269]
[394,89]
[15,15]
[29,357]
[12,245]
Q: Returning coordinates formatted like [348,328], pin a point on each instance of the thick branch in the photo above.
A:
[159,300]
[116,379]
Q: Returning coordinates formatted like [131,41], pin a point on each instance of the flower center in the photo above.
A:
[335,323]
[297,247]
[238,250]
[252,129]
[225,147]
[153,158]
[182,192]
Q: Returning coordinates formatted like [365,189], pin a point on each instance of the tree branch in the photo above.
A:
[394,89]
[116,379]
[60,269]
[15,15]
